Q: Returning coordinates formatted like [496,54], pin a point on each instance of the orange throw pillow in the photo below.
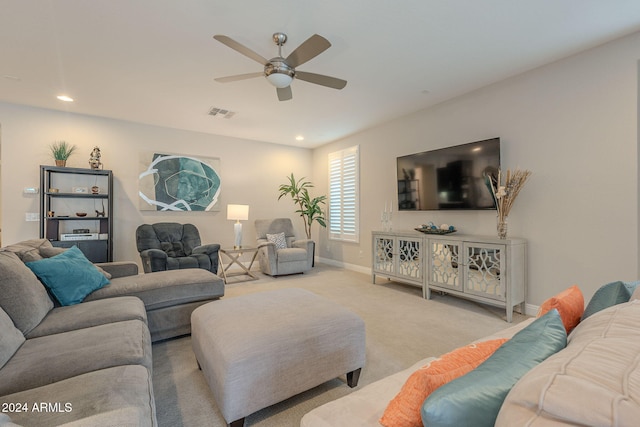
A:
[404,409]
[570,305]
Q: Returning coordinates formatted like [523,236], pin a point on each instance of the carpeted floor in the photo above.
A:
[401,326]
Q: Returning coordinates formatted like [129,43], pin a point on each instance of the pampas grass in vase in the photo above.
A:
[505,195]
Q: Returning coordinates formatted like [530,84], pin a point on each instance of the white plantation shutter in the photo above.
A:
[344,172]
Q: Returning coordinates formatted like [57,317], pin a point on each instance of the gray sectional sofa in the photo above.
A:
[88,364]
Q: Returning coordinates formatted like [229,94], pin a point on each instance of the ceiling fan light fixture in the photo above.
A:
[278,73]
[279,80]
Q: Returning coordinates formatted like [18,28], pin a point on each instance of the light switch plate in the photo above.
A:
[32,216]
[31,190]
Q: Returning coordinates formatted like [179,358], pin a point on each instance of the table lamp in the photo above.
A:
[238,213]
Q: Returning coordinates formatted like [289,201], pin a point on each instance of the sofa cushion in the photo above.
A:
[570,305]
[475,398]
[5,421]
[594,381]
[116,396]
[48,359]
[292,255]
[70,276]
[10,338]
[608,295]
[49,251]
[29,250]
[88,314]
[404,409]
[22,295]
[164,288]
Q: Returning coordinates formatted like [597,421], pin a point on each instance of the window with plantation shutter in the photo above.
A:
[344,188]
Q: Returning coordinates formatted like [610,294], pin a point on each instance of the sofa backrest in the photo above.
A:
[22,296]
[10,338]
[30,250]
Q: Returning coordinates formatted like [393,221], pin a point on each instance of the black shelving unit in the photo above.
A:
[74,196]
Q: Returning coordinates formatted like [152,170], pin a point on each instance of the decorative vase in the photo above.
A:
[61,162]
[502,227]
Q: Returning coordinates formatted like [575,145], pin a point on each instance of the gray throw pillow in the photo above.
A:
[278,239]
[22,296]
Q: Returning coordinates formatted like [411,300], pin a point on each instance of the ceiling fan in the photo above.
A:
[280,71]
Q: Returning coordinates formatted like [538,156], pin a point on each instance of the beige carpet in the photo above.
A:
[402,328]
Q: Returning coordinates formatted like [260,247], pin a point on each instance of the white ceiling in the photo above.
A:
[154,61]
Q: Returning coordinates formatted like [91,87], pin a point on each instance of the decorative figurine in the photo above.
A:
[94,160]
[102,212]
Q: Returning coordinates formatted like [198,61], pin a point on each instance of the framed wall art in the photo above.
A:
[176,182]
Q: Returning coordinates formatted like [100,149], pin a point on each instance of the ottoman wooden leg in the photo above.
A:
[237,423]
[353,377]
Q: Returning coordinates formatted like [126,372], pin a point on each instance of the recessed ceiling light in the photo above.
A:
[299,138]
[64,98]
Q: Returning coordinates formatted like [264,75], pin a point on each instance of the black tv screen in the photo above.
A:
[449,178]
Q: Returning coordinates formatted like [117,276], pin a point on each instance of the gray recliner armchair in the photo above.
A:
[279,252]
[174,246]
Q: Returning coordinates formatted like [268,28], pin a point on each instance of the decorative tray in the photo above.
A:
[434,231]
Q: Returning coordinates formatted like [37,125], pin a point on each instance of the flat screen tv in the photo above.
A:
[449,178]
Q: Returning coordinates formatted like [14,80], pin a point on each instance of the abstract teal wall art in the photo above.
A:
[174,182]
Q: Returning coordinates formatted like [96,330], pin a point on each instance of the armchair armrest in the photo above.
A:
[267,257]
[263,244]
[153,260]
[304,244]
[119,268]
[209,249]
[308,245]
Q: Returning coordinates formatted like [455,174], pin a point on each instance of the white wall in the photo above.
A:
[251,172]
[573,123]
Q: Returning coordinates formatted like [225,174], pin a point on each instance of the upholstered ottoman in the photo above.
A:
[260,349]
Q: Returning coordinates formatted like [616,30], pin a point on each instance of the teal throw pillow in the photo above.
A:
[475,398]
[609,295]
[69,276]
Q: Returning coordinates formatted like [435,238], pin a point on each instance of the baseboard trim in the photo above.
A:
[529,309]
[353,267]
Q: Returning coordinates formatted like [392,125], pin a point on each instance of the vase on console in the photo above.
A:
[502,227]
[505,195]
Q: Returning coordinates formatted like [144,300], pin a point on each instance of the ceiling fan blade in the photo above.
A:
[321,79]
[239,77]
[240,48]
[284,93]
[309,49]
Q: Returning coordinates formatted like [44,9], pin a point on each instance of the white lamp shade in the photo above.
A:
[238,212]
[279,80]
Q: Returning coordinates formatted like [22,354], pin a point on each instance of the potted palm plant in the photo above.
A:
[309,208]
[61,150]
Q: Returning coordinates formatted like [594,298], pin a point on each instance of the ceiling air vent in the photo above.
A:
[221,112]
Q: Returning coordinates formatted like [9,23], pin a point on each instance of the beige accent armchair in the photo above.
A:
[297,257]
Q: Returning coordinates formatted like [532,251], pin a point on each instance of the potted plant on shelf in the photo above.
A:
[61,150]
[309,208]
